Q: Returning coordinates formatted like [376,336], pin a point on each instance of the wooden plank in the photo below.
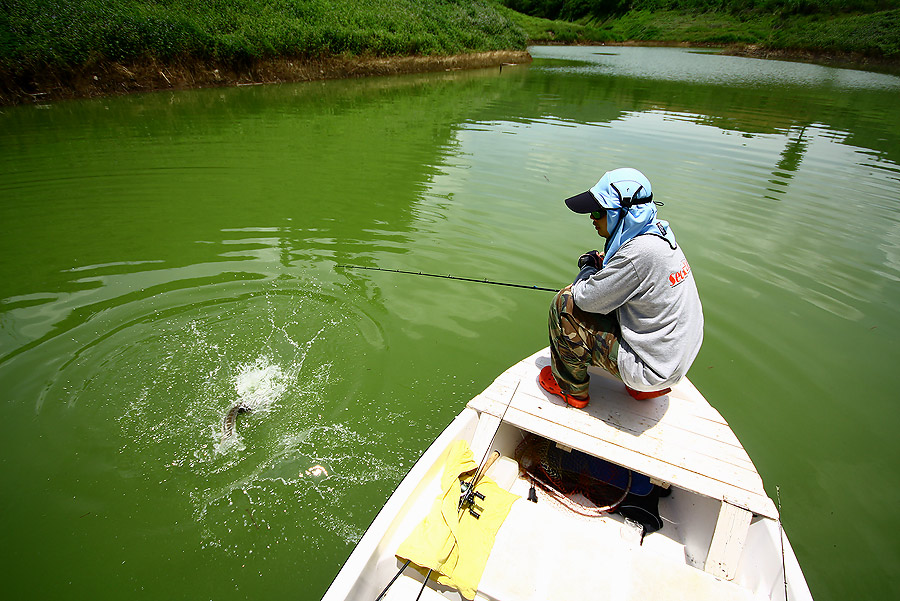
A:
[651,466]
[715,441]
[608,394]
[678,438]
[640,416]
[684,390]
[613,404]
[636,416]
[685,457]
[730,464]
[728,541]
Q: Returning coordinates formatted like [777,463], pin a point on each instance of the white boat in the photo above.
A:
[721,537]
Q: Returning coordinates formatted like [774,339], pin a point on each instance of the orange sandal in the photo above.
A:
[549,383]
[644,396]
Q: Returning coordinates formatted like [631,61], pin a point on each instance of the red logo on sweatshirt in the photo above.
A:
[676,277]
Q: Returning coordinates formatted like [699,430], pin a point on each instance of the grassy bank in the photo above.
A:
[62,42]
[67,48]
[874,35]
[71,32]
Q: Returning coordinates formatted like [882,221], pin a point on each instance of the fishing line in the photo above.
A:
[781,536]
[450,277]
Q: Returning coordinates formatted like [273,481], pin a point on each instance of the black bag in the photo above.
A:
[644,509]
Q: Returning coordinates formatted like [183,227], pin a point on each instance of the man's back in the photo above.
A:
[650,286]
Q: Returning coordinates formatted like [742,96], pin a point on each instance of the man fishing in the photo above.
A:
[633,309]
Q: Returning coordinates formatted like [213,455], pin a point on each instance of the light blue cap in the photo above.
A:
[622,187]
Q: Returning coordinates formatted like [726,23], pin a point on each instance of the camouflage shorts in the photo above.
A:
[579,339]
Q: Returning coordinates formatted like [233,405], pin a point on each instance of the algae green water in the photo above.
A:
[165,256]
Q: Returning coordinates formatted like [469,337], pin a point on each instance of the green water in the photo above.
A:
[165,256]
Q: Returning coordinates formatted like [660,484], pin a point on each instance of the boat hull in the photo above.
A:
[542,547]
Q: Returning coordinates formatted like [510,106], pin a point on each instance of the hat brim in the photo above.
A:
[583,203]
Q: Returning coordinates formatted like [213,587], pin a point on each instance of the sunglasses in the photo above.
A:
[598,214]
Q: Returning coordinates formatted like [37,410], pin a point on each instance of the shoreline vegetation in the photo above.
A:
[58,49]
[52,49]
[852,33]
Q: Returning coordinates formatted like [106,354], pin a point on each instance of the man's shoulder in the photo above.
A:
[646,246]
[650,256]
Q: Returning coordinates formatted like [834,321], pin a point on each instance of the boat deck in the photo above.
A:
[545,551]
[555,554]
[677,439]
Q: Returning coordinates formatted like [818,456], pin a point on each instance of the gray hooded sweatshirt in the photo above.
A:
[650,286]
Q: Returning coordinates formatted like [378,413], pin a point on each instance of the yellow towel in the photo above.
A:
[457,547]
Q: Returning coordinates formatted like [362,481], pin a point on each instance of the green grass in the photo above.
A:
[546,30]
[872,35]
[67,33]
[647,26]
[574,10]
[715,28]
[875,34]
[73,32]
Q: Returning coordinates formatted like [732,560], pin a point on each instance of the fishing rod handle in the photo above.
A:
[491,461]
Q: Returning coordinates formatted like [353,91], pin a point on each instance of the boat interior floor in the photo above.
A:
[546,551]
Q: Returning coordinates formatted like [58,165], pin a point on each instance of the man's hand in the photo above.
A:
[594,258]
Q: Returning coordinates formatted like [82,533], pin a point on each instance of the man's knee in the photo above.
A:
[558,307]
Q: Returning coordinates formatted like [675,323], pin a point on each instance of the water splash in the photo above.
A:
[259,387]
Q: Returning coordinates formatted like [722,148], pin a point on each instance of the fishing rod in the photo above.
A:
[397,575]
[781,536]
[450,277]
[468,496]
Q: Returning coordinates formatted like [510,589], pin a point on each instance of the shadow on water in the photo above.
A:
[791,157]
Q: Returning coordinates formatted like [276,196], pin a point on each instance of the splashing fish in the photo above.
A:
[230,421]
[258,385]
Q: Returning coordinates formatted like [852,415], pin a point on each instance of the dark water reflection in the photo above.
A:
[164,255]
